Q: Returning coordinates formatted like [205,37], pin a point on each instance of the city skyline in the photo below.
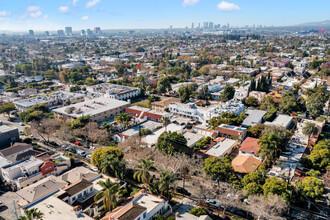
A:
[18,15]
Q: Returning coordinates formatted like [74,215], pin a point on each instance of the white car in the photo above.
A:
[89,156]
[212,203]
[95,169]
[92,148]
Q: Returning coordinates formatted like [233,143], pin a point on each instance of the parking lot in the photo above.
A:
[7,210]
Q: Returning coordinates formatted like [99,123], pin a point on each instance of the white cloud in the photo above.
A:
[92,3]
[74,2]
[64,9]
[45,16]
[84,18]
[189,2]
[227,6]
[5,13]
[36,14]
[34,11]
[33,8]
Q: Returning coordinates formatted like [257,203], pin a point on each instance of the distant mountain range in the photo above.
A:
[325,23]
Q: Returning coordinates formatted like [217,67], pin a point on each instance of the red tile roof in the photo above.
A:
[250,145]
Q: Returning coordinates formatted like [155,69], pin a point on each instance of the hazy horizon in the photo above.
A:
[40,15]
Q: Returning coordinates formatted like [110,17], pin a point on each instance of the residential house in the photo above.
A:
[143,206]
[231,131]
[245,163]
[253,117]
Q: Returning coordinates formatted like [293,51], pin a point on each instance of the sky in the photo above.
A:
[21,15]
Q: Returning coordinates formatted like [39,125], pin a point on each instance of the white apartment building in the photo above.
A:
[204,114]
[115,91]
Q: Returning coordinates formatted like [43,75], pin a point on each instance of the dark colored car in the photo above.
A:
[183,191]
[72,150]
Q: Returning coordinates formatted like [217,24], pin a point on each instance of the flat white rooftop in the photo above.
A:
[221,147]
[91,107]
[56,209]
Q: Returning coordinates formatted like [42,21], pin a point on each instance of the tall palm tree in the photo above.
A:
[309,129]
[31,214]
[167,179]
[107,126]
[110,193]
[113,166]
[123,118]
[166,121]
[143,172]
[269,146]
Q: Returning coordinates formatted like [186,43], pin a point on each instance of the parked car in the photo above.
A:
[54,143]
[20,132]
[81,153]
[72,150]
[182,191]
[92,148]
[212,203]
[89,156]
[21,124]
[33,138]
[77,143]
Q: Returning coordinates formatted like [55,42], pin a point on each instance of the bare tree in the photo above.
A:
[271,207]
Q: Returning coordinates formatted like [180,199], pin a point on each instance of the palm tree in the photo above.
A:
[166,121]
[167,180]
[309,129]
[107,126]
[269,146]
[113,166]
[123,118]
[110,193]
[31,214]
[143,174]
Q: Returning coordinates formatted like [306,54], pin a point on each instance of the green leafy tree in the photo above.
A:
[288,103]
[227,93]
[315,104]
[164,84]
[197,211]
[7,108]
[253,182]
[186,91]
[269,147]
[320,156]
[100,153]
[143,173]
[256,131]
[35,113]
[109,194]
[252,101]
[81,122]
[221,170]
[170,142]
[276,186]
[311,187]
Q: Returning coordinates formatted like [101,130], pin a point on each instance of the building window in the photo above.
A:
[144,215]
